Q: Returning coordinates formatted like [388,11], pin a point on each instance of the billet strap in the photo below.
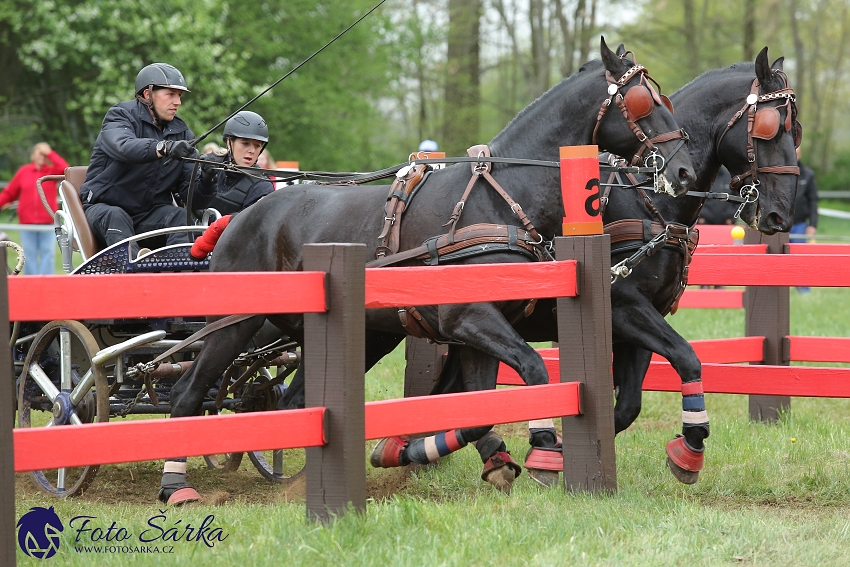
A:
[400,191]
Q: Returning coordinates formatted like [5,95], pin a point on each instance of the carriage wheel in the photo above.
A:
[281,465]
[60,387]
[225,462]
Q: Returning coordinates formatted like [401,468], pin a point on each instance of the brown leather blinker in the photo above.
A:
[766,123]
[638,101]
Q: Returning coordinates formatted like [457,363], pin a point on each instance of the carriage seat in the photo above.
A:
[69,189]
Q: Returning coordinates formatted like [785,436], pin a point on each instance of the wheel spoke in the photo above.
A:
[65,358]
[79,392]
[277,460]
[60,479]
[43,381]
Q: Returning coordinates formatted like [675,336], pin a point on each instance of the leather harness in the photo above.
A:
[456,244]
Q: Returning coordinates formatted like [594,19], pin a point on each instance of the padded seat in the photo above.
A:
[69,189]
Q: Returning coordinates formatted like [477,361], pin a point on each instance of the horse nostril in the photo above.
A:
[685,176]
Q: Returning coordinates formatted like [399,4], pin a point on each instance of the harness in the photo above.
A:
[638,103]
[456,244]
[647,237]
[763,123]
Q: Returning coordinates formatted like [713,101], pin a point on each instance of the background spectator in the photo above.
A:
[806,204]
[805,208]
[39,246]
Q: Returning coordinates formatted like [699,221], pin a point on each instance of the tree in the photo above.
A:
[462,118]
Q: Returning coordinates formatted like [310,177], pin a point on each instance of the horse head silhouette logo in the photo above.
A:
[38,532]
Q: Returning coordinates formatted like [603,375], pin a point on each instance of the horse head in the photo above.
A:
[637,120]
[766,126]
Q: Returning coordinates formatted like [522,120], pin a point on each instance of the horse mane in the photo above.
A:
[585,73]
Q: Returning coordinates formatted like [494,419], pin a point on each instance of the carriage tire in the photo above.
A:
[275,471]
[224,462]
[83,347]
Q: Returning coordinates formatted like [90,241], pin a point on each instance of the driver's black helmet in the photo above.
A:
[247,124]
[160,75]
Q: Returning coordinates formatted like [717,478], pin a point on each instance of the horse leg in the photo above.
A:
[630,365]
[378,345]
[645,327]
[187,395]
[479,373]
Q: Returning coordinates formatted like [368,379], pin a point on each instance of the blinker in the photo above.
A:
[638,102]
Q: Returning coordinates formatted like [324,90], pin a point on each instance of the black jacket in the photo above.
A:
[228,191]
[125,170]
[806,203]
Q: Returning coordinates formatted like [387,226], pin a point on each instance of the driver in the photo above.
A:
[129,183]
[245,137]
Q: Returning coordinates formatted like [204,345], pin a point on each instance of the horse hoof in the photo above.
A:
[502,478]
[183,496]
[684,462]
[683,476]
[387,453]
[544,478]
[501,470]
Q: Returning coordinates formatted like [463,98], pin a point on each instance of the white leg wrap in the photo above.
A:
[694,417]
[542,424]
[174,467]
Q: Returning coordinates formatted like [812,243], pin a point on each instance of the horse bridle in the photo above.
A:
[639,103]
[763,123]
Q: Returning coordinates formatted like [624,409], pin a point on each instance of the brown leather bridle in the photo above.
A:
[763,123]
[638,103]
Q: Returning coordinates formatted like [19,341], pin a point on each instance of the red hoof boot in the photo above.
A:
[501,470]
[182,496]
[544,464]
[387,453]
[684,462]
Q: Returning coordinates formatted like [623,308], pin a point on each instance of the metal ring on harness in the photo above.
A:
[655,156]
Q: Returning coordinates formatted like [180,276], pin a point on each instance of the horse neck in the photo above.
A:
[561,117]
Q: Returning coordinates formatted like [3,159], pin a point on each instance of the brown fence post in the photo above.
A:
[424,362]
[8,544]
[334,362]
[768,314]
[584,339]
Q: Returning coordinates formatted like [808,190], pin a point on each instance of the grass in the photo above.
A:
[769,495]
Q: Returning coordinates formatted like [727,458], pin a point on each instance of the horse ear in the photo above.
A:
[613,63]
[778,64]
[762,67]
[621,50]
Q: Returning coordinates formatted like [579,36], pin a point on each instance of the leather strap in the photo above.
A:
[397,200]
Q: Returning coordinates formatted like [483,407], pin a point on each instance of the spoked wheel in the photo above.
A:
[225,462]
[60,387]
[282,465]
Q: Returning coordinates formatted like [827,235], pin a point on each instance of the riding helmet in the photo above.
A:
[160,75]
[247,124]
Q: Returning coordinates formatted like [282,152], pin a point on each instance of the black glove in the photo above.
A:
[176,149]
[208,171]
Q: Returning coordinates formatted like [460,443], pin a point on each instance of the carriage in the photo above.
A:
[76,372]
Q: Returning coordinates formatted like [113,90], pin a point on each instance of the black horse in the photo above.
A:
[270,236]
[640,301]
